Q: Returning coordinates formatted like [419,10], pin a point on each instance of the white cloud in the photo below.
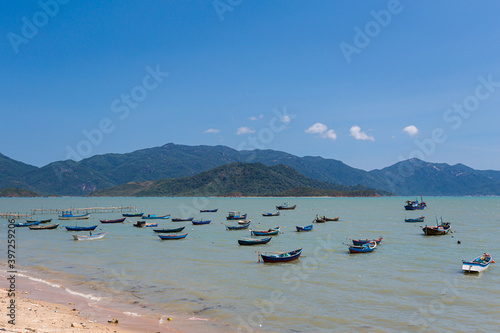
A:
[244,130]
[212,130]
[411,130]
[257,118]
[286,119]
[322,130]
[359,135]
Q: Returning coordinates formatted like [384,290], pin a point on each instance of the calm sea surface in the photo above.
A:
[410,283]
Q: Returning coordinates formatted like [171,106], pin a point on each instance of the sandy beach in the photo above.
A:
[42,307]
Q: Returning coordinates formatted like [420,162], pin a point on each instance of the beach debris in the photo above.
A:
[76,325]
[113,321]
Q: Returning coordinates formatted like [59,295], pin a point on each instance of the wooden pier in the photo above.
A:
[112,209]
[13,215]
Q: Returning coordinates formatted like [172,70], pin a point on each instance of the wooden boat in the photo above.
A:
[269,232]
[366,241]
[42,227]
[415,205]
[153,217]
[113,221]
[280,256]
[166,231]
[238,227]
[285,206]
[89,237]
[68,215]
[271,214]
[199,222]
[319,219]
[77,228]
[323,219]
[306,228]
[144,224]
[209,210]
[331,219]
[477,265]
[26,224]
[235,215]
[440,229]
[177,219]
[41,221]
[417,219]
[363,248]
[132,214]
[162,237]
[244,221]
[254,241]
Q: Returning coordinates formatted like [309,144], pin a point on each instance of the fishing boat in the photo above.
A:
[133,214]
[113,221]
[89,237]
[441,228]
[42,227]
[363,248]
[269,232]
[238,227]
[209,210]
[417,219]
[162,237]
[68,215]
[235,215]
[331,219]
[166,231]
[77,228]
[477,265]
[199,222]
[271,214]
[244,221]
[306,228]
[26,224]
[144,224]
[153,217]
[254,241]
[415,205]
[280,256]
[366,241]
[178,219]
[41,221]
[285,206]
[319,219]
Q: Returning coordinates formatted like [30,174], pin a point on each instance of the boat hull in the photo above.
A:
[282,257]
[81,228]
[477,265]
[165,237]
[306,228]
[45,227]
[74,217]
[166,231]
[250,241]
[90,237]
[113,221]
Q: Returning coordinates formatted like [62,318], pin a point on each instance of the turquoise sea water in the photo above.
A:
[410,283]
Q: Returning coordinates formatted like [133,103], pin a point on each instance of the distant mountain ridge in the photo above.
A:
[410,177]
[238,179]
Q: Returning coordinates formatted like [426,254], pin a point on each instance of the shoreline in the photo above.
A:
[44,306]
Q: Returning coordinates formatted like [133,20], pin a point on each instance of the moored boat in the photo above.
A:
[440,229]
[113,221]
[285,206]
[77,228]
[363,248]
[199,222]
[280,256]
[417,219]
[235,215]
[305,228]
[68,215]
[43,227]
[477,265]
[144,224]
[269,232]
[132,214]
[89,237]
[41,221]
[366,241]
[157,217]
[209,210]
[166,231]
[238,227]
[271,214]
[26,224]
[415,205]
[178,236]
[178,219]
[254,241]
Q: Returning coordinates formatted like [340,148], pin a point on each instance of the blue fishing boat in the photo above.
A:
[209,210]
[285,206]
[162,237]
[280,256]
[132,214]
[178,219]
[235,215]
[68,215]
[238,227]
[77,228]
[271,214]
[269,232]
[113,221]
[417,219]
[199,222]
[363,248]
[153,217]
[254,241]
[306,228]
[366,241]
[26,224]
[41,221]
[415,205]
[166,231]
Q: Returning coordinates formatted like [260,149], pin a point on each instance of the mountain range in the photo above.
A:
[410,177]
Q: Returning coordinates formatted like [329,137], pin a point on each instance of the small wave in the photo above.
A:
[87,296]
[133,314]
[39,280]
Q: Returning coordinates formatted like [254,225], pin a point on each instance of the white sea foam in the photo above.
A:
[133,314]
[87,296]
[39,280]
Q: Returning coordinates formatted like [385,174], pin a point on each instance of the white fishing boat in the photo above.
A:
[89,237]
[479,264]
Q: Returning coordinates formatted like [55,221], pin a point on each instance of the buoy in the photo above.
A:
[459,242]
[169,319]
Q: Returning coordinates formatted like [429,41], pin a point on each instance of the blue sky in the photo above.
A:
[338,79]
